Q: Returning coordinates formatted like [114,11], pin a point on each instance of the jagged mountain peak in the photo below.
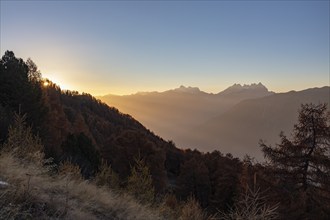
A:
[189,89]
[237,88]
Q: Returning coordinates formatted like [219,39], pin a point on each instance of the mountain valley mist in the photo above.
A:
[231,121]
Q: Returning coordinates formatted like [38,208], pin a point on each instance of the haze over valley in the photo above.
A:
[231,121]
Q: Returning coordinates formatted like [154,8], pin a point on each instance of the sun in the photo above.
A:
[54,78]
[46,83]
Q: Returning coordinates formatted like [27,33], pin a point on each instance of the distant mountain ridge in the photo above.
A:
[189,89]
[173,112]
[196,119]
[238,88]
[239,129]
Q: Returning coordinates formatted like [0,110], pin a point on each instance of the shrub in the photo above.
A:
[107,177]
[70,170]
[251,206]
[170,207]
[191,210]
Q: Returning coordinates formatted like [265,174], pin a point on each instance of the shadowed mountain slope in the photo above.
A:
[239,129]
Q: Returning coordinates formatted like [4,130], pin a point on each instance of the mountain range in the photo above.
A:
[231,121]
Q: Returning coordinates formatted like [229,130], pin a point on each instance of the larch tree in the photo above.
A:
[302,163]
[139,183]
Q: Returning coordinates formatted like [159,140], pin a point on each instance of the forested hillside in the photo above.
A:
[83,130]
[112,149]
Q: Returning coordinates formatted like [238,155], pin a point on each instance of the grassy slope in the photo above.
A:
[33,193]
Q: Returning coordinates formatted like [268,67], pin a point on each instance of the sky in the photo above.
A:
[122,47]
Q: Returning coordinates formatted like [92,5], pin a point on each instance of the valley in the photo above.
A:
[231,121]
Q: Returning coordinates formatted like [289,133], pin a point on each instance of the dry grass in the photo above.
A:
[33,193]
[191,210]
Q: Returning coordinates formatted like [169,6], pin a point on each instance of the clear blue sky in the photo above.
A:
[118,47]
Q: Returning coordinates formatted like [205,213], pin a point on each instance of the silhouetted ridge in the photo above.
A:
[238,88]
[189,89]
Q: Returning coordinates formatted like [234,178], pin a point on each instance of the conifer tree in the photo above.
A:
[302,164]
[139,183]
[21,141]
[20,89]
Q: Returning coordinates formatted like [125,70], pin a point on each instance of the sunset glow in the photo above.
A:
[124,47]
